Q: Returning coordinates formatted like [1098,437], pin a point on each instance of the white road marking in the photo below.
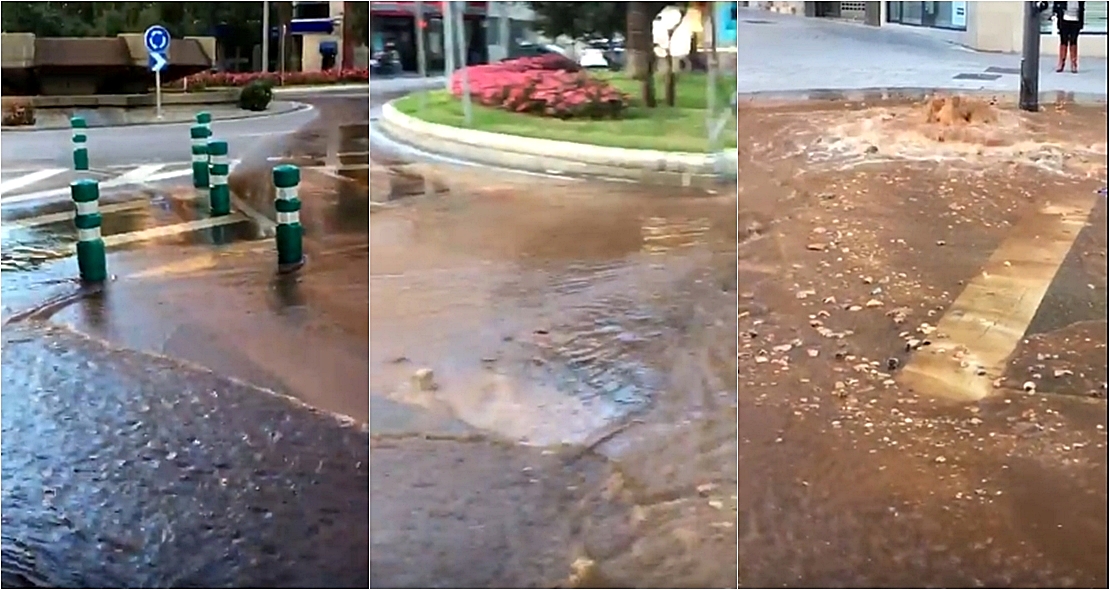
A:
[168,175]
[984,325]
[172,230]
[68,215]
[134,176]
[145,173]
[28,180]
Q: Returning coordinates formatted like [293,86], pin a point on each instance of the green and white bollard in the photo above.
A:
[205,119]
[91,258]
[288,207]
[80,138]
[199,137]
[219,195]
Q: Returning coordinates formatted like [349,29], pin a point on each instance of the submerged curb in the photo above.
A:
[555,157]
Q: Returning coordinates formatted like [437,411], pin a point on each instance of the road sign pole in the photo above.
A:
[157,42]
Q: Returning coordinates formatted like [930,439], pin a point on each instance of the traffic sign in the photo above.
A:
[156,39]
[157,61]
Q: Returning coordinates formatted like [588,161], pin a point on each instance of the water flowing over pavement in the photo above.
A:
[877,230]
[580,429]
[569,344]
[127,469]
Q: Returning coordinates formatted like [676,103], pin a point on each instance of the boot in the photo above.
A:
[1063,57]
[1074,49]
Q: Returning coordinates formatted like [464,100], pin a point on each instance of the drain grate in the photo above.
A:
[756,21]
[998,70]
[976,76]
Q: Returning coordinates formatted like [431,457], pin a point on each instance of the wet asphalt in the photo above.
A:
[131,469]
[122,469]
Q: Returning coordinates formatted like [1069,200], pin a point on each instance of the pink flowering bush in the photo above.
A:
[548,85]
[205,80]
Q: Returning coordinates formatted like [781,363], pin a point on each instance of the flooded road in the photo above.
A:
[588,325]
[911,414]
[155,430]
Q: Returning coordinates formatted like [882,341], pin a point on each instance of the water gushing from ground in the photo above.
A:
[861,223]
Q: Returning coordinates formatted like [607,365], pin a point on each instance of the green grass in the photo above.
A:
[681,128]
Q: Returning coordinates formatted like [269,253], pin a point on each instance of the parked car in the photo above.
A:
[529,49]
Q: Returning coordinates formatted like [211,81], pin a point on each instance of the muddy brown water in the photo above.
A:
[555,316]
[849,479]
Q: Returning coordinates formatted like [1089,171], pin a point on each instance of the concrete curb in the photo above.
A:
[287,108]
[554,157]
[319,89]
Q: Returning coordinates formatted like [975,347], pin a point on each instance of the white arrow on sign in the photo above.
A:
[159,61]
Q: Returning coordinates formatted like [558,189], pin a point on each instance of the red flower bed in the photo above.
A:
[549,85]
[229,79]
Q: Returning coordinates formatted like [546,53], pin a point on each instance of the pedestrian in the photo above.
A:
[1069,21]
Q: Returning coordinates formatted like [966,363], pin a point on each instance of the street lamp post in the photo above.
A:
[265,36]
[1030,58]
[460,29]
[421,55]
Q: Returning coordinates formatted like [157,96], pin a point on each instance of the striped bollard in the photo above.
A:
[80,138]
[204,119]
[288,208]
[198,134]
[219,195]
[91,262]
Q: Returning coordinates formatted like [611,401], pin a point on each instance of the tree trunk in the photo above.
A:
[668,80]
[638,43]
[641,61]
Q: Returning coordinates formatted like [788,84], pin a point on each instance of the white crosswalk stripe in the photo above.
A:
[111,177]
[28,179]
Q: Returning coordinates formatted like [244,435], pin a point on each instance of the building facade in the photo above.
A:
[490,30]
[317,29]
[985,26]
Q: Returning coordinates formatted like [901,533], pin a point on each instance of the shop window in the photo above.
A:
[311,10]
[1094,19]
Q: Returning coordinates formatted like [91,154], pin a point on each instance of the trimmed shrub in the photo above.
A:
[256,96]
[205,80]
[548,85]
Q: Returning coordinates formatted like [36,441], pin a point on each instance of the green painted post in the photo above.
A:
[288,207]
[199,137]
[205,119]
[80,138]
[219,196]
[91,258]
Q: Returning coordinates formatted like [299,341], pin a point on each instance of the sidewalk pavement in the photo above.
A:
[789,53]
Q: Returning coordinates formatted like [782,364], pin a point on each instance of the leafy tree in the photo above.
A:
[583,19]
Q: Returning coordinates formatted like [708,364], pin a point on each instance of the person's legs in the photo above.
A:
[1069,41]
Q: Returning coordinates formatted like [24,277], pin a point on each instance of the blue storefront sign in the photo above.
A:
[726,23]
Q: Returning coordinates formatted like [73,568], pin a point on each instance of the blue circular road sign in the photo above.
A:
[156,39]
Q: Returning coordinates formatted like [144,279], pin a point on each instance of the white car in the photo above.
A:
[592,58]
